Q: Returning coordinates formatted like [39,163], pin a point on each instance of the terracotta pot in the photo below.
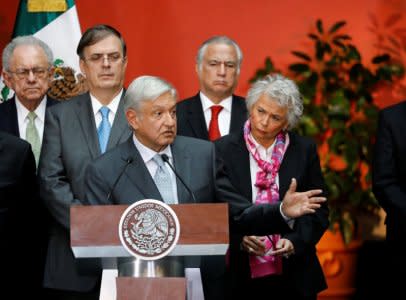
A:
[339,262]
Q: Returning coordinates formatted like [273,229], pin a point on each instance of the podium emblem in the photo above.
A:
[149,229]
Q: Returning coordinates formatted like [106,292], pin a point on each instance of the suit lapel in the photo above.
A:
[196,118]
[238,115]
[182,165]
[138,173]
[119,126]
[288,167]
[10,118]
[239,153]
[85,116]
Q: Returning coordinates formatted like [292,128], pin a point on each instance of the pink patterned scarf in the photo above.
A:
[268,192]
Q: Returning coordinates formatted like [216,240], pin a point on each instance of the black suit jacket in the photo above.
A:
[301,161]
[191,122]
[20,219]
[389,170]
[8,115]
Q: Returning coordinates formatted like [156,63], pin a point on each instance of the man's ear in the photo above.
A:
[82,67]
[132,118]
[197,69]
[6,78]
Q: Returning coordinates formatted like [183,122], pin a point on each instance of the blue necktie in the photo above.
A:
[163,180]
[104,128]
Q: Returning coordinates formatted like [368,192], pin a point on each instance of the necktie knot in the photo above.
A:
[215,110]
[158,160]
[104,110]
[31,116]
[214,131]
[163,180]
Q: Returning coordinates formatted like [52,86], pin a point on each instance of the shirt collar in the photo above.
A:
[261,149]
[22,111]
[113,105]
[146,153]
[207,103]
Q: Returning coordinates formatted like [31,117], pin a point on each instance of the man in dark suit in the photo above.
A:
[19,226]
[125,174]
[218,65]
[78,131]
[212,113]
[27,69]
[389,186]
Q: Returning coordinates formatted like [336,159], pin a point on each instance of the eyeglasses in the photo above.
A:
[38,72]
[99,58]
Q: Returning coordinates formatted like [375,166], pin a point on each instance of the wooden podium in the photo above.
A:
[95,242]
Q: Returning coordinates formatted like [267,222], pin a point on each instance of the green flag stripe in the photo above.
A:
[29,23]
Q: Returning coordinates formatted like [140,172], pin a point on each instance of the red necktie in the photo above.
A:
[214,132]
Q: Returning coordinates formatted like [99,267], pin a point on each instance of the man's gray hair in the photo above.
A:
[146,88]
[221,39]
[26,40]
[282,90]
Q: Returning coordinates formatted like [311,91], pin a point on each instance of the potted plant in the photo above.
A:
[339,113]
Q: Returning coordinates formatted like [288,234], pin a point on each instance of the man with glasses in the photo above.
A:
[78,131]
[27,70]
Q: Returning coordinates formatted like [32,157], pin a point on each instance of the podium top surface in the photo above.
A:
[203,230]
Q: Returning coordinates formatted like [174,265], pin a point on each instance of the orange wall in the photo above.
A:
[163,35]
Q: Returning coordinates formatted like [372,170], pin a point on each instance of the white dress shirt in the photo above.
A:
[113,106]
[22,113]
[224,115]
[148,154]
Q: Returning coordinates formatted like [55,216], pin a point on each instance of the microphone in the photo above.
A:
[165,158]
[127,163]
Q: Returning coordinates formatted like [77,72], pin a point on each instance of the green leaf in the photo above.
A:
[381,58]
[269,64]
[319,50]
[299,68]
[58,62]
[319,25]
[313,36]
[339,44]
[5,91]
[353,53]
[337,26]
[302,55]
[342,37]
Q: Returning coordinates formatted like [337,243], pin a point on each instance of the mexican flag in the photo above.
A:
[56,23]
